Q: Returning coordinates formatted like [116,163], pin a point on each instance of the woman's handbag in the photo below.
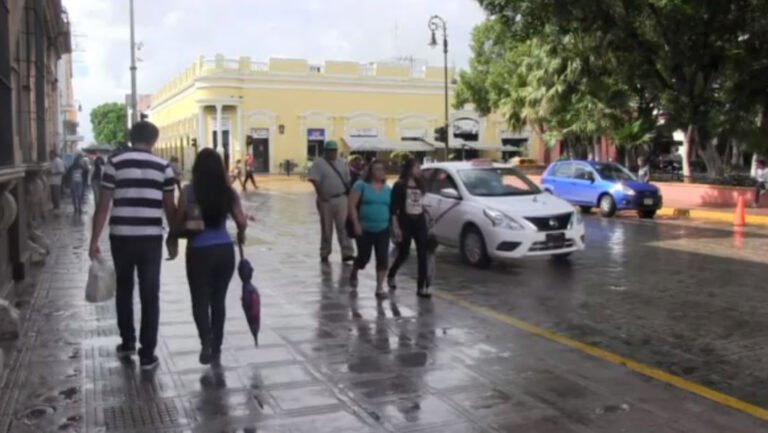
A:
[193,223]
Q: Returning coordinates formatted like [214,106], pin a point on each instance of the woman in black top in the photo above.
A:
[410,223]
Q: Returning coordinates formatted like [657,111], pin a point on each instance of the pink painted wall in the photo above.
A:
[682,195]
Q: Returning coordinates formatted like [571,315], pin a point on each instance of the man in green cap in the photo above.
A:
[331,179]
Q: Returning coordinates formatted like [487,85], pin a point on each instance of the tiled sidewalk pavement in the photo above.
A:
[326,363]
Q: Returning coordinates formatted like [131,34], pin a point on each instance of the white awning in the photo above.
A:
[380,144]
[459,144]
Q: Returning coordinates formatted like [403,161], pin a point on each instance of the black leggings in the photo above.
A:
[209,271]
[413,228]
[370,242]
[249,177]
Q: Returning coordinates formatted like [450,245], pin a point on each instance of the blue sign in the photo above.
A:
[315,134]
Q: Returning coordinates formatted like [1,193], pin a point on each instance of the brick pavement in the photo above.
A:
[326,363]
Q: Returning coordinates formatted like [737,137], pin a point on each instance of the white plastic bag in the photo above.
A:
[101,282]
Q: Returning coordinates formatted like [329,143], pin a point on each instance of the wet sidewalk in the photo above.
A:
[326,363]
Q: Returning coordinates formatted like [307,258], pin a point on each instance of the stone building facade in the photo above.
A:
[34,34]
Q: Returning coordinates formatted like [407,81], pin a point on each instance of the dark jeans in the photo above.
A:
[143,255]
[758,189]
[370,242]
[413,228]
[56,196]
[249,177]
[209,271]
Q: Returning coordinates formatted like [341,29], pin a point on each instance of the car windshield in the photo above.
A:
[494,182]
[614,172]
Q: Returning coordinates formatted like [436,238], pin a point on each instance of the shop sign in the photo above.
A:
[315,134]
[259,133]
[364,132]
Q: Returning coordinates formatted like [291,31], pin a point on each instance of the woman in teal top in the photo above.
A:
[369,210]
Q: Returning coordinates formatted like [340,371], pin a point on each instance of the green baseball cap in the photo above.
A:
[331,145]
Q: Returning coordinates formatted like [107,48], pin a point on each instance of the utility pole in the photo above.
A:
[134,103]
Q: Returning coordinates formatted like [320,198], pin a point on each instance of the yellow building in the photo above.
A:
[284,109]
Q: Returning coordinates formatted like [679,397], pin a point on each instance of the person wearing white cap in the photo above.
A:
[331,178]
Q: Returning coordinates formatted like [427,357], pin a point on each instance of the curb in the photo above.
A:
[711,215]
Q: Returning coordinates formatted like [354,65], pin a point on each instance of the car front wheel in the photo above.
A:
[607,206]
[473,249]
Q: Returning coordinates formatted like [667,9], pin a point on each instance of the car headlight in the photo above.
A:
[502,220]
[576,220]
[627,190]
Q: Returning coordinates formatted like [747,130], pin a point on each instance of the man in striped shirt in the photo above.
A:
[139,186]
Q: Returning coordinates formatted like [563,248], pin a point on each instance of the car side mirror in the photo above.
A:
[450,193]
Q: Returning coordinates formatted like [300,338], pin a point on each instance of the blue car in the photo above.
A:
[605,185]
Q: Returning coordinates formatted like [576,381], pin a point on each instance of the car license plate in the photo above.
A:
[555,240]
[648,201]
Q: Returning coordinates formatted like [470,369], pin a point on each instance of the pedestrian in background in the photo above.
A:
[331,179]
[761,176]
[210,257]
[369,209]
[96,175]
[409,223]
[57,173]
[644,170]
[249,171]
[237,173]
[174,161]
[356,168]
[138,186]
[77,174]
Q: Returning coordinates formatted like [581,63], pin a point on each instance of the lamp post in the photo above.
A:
[437,23]
[134,111]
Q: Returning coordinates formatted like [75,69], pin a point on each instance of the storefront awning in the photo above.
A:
[459,144]
[380,144]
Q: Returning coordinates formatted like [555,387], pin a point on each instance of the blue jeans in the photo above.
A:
[77,195]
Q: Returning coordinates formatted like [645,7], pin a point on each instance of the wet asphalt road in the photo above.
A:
[681,298]
[690,301]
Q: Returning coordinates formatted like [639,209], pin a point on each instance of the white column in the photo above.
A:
[219,135]
[238,153]
[201,127]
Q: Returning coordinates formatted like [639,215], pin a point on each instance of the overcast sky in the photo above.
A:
[175,32]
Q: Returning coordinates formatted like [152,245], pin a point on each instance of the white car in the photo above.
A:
[493,212]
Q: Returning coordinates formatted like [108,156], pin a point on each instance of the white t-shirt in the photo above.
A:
[762,175]
[57,171]
[414,205]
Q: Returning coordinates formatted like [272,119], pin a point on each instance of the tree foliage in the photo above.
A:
[109,123]
[583,68]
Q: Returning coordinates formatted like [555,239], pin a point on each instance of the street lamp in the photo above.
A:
[437,23]
[134,110]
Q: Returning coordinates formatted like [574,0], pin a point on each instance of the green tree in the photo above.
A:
[109,123]
[703,64]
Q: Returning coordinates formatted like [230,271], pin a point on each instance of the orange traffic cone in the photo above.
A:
[739,219]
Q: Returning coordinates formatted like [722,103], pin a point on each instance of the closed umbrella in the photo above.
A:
[251,299]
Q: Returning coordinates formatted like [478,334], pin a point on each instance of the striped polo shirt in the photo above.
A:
[138,180]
